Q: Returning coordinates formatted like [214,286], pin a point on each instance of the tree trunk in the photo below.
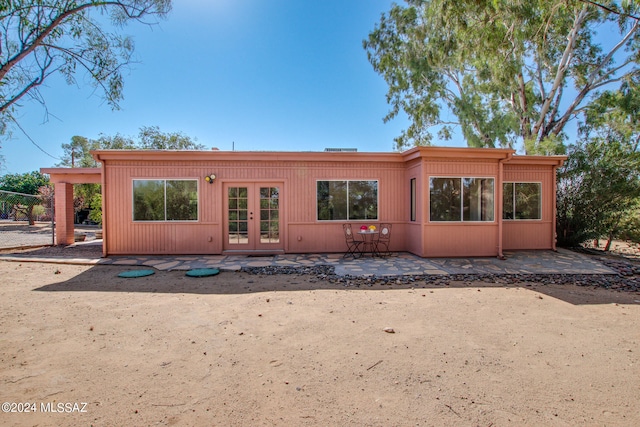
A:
[609,241]
[29,213]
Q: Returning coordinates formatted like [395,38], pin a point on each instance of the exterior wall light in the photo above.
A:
[210,178]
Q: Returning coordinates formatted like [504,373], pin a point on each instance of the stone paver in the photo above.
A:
[517,262]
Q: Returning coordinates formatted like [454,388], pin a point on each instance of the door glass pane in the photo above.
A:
[269,224]
[238,216]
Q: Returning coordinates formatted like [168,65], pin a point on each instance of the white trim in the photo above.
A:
[462,220]
[514,201]
[377,181]
[164,188]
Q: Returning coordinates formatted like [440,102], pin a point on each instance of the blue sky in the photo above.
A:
[285,75]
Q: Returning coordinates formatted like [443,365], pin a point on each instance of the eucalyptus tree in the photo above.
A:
[41,38]
[508,73]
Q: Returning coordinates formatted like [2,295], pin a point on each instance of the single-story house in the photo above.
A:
[441,202]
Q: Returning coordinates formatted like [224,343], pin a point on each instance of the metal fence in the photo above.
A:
[26,220]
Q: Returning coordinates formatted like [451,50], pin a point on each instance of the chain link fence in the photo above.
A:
[26,220]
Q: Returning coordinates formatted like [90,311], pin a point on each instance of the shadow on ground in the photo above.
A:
[105,279]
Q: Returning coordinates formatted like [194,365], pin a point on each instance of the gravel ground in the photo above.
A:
[622,281]
[626,279]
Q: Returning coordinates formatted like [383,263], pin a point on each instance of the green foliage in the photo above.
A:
[25,183]
[78,152]
[46,37]
[502,70]
[598,191]
[599,186]
[150,138]
[95,205]
[31,183]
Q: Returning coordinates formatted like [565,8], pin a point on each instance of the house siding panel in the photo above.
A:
[297,174]
[531,234]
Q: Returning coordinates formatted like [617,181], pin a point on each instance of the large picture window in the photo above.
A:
[347,200]
[165,200]
[461,199]
[521,200]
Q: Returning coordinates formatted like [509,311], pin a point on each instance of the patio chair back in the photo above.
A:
[384,239]
[353,245]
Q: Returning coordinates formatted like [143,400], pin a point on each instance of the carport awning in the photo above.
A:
[74,175]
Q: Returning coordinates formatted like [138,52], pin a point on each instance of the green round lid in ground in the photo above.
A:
[202,272]
[136,273]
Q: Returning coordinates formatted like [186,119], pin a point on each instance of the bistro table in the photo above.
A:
[369,242]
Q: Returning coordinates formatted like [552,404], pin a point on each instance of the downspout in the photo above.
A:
[103,179]
[500,201]
[554,212]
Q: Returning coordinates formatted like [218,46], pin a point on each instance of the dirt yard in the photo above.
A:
[80,346]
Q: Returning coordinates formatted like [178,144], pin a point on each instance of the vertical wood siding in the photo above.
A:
[458,239]
[301,232]
[531,234]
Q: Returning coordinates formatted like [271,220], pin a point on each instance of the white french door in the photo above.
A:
[252,217]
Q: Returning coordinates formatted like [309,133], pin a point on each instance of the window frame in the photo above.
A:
[347,181]
[164,181]
[513,200]
[461,179]
[413,200]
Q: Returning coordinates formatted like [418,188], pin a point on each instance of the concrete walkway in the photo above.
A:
[517,262]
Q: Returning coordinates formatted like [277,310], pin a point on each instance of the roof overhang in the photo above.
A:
[497,154]
[218,155]
[431,152]
[538,160]
[74,175]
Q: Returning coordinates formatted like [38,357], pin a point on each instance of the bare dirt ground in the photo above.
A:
[247,350]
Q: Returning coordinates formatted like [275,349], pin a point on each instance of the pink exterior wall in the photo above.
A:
[297,174]
[297,177]
[461,238]
[63,180]
[532,234]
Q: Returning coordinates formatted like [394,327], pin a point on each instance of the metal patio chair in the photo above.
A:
[382,244]
[353,245]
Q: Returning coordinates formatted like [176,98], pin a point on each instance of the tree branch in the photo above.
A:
[33,84]
[562,69]
[134,13]
[611,10]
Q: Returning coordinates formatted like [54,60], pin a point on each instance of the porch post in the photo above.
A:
[64,213]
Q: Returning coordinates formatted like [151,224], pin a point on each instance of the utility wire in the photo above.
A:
[32,141]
